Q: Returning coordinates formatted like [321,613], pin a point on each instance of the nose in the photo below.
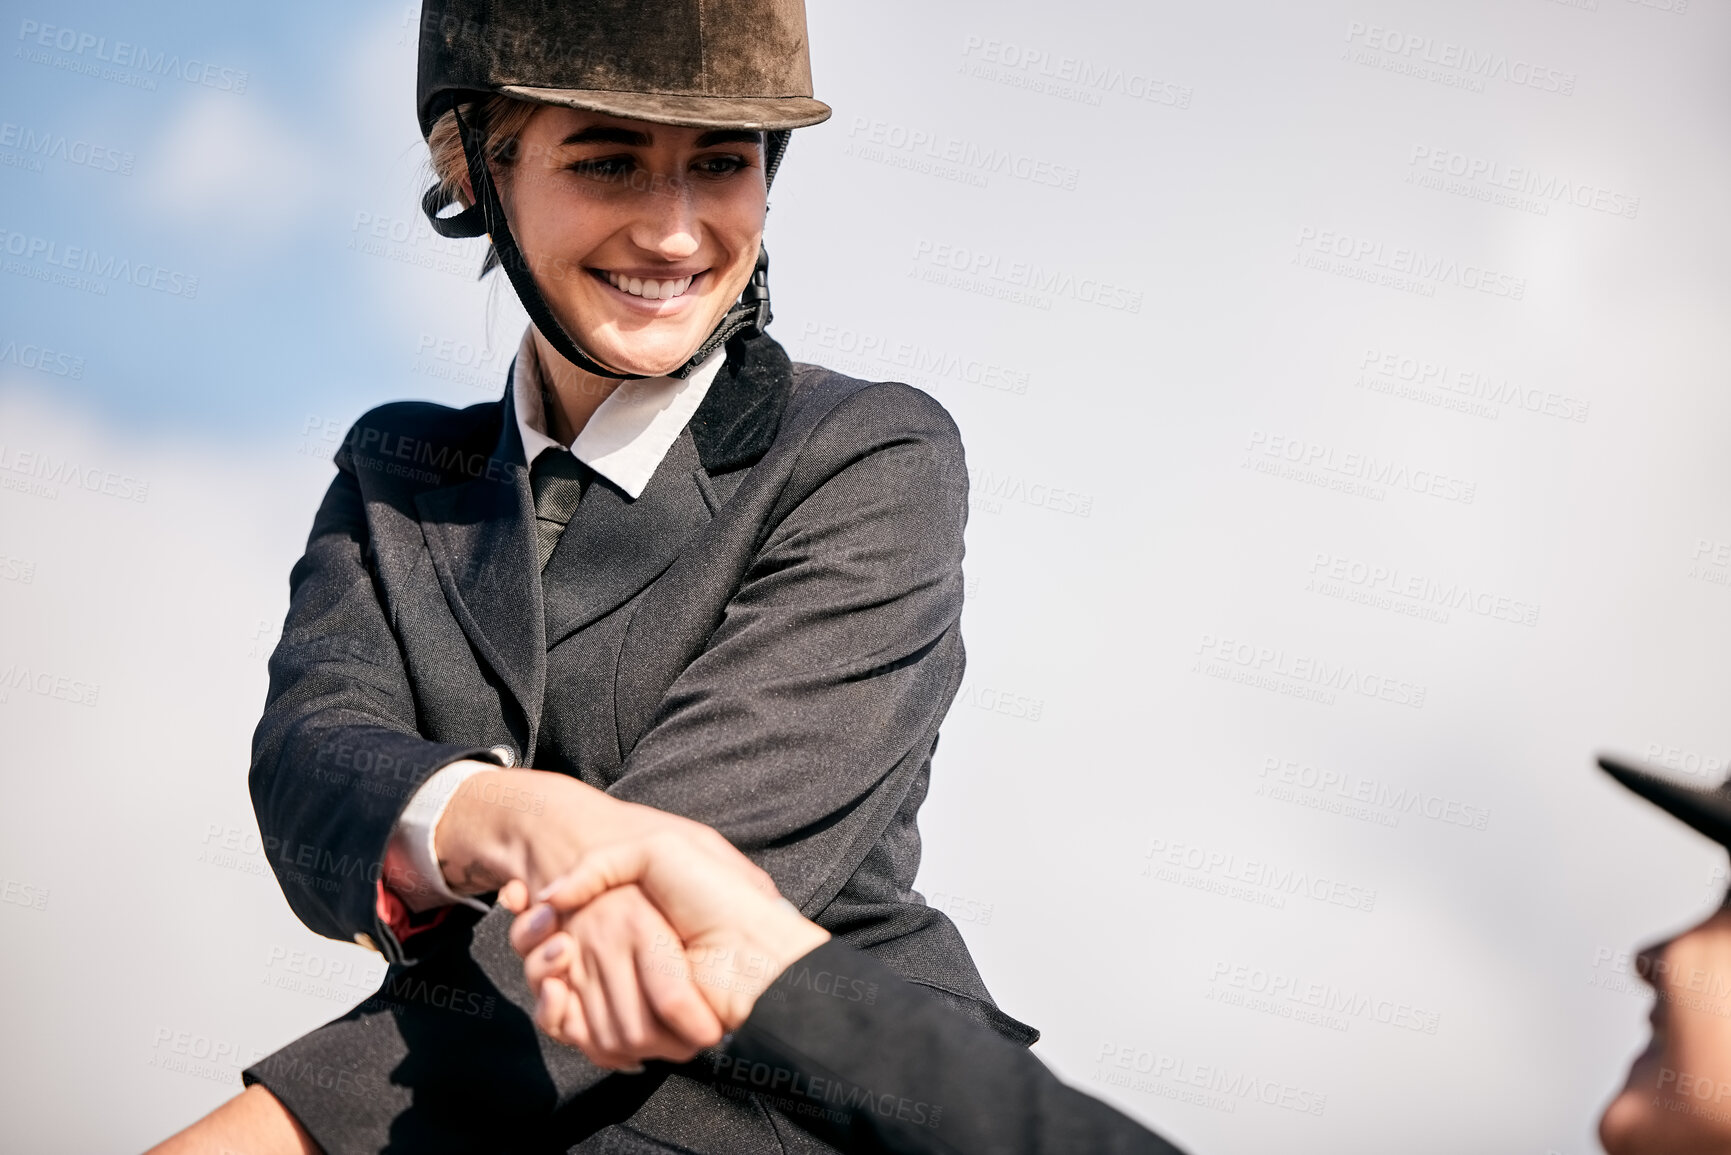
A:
[667,222]
[1651,964]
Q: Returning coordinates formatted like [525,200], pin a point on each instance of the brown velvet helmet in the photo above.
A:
[692,63]
[697,63]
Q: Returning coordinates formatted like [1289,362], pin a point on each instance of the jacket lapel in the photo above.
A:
[741,414]
[615,546]
[481,537]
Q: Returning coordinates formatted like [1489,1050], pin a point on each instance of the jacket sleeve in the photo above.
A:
[870,1063]
[336,755]
[836,658]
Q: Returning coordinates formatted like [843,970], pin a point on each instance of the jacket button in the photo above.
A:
[505,755]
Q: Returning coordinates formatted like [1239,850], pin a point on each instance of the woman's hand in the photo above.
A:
[533,825]
[520,853]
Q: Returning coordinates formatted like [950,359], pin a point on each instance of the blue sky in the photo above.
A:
[244,145]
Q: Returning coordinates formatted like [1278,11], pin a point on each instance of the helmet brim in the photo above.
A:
[757,113]
[1707,810]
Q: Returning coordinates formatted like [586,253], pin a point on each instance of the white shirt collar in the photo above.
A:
[629,435]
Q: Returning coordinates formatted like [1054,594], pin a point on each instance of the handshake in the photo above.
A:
[645,935]
[656,943]
[659,941]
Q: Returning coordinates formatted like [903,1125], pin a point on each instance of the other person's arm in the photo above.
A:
[852,1053]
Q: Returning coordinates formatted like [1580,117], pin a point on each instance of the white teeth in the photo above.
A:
[649,290]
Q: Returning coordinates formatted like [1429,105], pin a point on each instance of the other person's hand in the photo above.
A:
[517,830]
[613,981]
[733,931]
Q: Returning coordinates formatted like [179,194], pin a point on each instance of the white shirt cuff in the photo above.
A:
[411,862]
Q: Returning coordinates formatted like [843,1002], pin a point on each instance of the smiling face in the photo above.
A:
[1677,1100]
[641,236]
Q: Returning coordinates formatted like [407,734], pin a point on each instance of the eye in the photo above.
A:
[724,165]
[603,167]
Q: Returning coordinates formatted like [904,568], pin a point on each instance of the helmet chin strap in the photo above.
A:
[748,318]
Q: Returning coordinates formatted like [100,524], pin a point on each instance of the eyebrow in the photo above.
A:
[613,134]
[729,136]
[607,134]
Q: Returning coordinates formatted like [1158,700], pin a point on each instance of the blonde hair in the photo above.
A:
[501,120]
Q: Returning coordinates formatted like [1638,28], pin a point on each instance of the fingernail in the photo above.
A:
[541,921]
[546,892]
[552,950]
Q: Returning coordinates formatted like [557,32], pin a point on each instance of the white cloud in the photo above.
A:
[230,164]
